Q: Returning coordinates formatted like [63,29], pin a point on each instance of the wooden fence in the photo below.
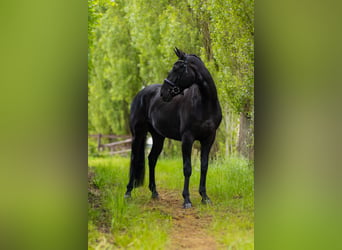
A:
[122,145]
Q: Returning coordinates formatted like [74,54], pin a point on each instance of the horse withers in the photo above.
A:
[184,108]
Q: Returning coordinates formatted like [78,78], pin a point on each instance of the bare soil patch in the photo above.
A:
[189,228]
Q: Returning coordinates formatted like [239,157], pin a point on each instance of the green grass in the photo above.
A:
[230,185]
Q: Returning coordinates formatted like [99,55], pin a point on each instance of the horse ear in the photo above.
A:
[179,53]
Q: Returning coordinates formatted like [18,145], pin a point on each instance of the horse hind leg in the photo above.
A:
[205,149]
[187,142]
[158,142]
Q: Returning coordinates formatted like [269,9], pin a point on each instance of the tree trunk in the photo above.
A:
[246,142]
[126,117]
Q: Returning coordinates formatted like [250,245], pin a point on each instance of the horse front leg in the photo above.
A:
[205,149]
[187,141]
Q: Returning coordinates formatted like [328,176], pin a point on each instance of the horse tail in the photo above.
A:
[137,168]
[139,128]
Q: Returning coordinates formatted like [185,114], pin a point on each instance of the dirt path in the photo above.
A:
[189,229]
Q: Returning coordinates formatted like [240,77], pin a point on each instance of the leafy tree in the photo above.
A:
[131,45]
[114,79]
[228,42]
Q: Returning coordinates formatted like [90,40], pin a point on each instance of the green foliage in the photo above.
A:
[114,79]
[131,46]
[231,35]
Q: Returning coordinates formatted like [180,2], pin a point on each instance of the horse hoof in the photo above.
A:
[187,205]
[206,201]
[155,196]
[127,196]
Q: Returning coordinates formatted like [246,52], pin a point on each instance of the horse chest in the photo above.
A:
[167,126]
[202,128]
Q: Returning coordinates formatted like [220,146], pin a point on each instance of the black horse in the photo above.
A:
[184,108]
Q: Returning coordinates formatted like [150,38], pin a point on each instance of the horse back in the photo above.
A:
[140,106]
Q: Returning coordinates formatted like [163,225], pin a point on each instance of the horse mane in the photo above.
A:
[204,78]
[196,56]
[201,69]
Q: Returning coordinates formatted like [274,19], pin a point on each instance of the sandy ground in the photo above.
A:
[189,229]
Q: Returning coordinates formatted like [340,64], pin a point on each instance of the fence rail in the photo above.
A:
[117,147]
[110,136]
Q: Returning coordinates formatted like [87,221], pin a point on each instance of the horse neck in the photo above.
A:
[208,91]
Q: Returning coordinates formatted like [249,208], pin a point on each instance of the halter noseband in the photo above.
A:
[175,90]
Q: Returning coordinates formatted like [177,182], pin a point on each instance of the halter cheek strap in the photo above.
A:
[169,82]
[175,90]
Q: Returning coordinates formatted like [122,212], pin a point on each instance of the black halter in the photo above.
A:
[175,90]
[172,84]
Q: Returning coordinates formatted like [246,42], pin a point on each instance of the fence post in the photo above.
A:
[99,142]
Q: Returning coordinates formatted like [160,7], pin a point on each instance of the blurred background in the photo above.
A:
[44,123]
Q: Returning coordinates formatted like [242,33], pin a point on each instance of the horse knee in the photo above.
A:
[152,160]
[187,171]
[150,157]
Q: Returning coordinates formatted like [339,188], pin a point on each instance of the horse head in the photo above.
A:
[182,75]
